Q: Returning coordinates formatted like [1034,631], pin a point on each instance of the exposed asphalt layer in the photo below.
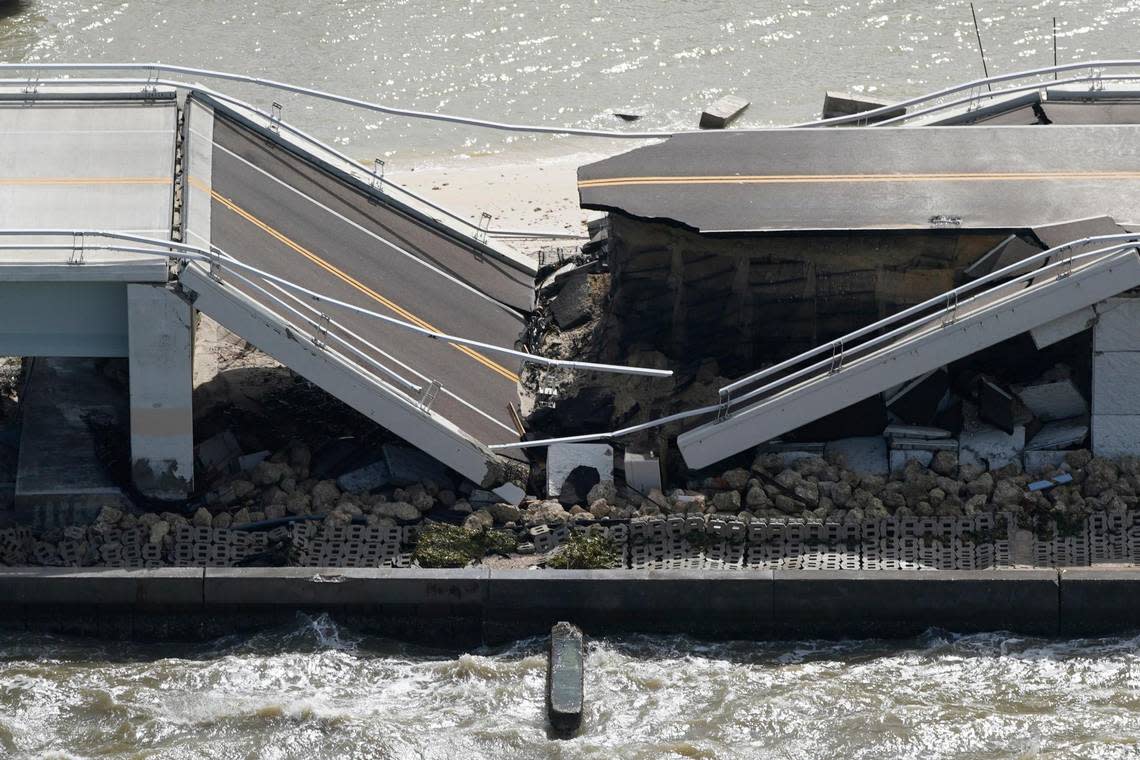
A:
[1006,177]
[303,226]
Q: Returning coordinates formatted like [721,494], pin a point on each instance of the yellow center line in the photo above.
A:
[85,180]
[764,179]
[347,278]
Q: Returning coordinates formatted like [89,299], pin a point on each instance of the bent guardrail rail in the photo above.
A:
[153,79]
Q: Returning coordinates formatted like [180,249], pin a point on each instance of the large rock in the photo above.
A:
[546,513]
[737,478]
[268,473]
[604,490]
[727,502]
[505,513]
[325,494]
[202,518]
[399,510]
[109,515]
[480,520]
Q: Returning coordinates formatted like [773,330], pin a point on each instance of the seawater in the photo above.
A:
[313,690]
[565,63]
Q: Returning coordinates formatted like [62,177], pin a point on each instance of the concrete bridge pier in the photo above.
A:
[160,327]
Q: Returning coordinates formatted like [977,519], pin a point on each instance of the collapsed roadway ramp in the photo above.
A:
[775,401]
[283,204]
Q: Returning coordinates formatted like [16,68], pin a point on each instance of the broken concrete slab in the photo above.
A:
[1118,325]
[866,455]
[989,447]
[366,478]
[1009,251]
[924,444]
[1114,379]
[723,112]
[563,458]
[1063,327]
[642,472]
[917,402]
[1116,435]
[217,452]
[845,104]
[1054,401]
[1059,233]
[1059,434]
[1038,461]
[916,431]
[408,466]
[247,462]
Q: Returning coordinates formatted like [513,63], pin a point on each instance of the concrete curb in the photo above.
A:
[471,606]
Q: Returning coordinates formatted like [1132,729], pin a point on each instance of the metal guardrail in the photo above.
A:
[974,87]
[153,71]
[840,352]
[217,259]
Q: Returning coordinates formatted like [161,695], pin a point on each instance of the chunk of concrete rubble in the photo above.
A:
[996,405]
[1054,401]
[1039,461]
[1059,434]
[847,104]
[723,112]
[366,478]
[864,454]
[916,431]
[988,447]
[247,462]
[573,305]
[563,458]
[924,444]
[1063,327]
[407,466]
[218,451]
[642,471]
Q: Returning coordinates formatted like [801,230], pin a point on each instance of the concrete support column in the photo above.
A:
[161,338]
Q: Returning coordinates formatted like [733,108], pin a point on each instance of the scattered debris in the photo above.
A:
[845,104]
[1054,401]
[723,112]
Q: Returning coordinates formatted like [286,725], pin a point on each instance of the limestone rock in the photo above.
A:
[399,510]
[481,520]
[274,512]
[605,490]
[1007,493]
[158,531]
[109,515]
[601,509]
[757,498]
[545,513]
[981,485]
[268,473]
[945,463]
[202,518]
[446,499]
[505,513]
[727,501]
[325,494]
[298,503]
[737,478]
[222,520]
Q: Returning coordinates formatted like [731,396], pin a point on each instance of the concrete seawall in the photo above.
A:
[471,606]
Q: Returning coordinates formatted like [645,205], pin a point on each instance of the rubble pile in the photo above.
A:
[783,511]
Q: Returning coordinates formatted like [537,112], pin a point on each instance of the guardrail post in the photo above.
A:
[483,228]
[427,397]
[31,88]
[77,245]
[150,89]
[951,314]
[722,410]
[836,357]
[378,174]
[322,330]
[275,116]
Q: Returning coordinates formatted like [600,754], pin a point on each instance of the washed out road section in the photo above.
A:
[283,215]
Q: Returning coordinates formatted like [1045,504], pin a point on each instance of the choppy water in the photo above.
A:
[315,691]
[568,62]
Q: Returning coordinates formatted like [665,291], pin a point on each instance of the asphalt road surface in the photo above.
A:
[874,178]
[276,212]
